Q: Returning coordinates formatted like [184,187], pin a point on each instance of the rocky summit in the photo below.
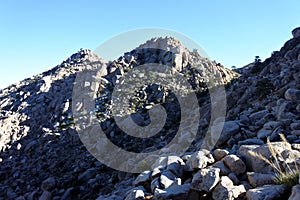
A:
[252,152]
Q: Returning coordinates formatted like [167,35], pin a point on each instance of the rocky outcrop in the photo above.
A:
[262,103]
[39,140]
[296,32]
[42,157]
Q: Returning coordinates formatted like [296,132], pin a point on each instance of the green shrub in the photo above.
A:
[258,65]
[264,87]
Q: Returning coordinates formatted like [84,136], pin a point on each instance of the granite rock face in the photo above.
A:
[42,157]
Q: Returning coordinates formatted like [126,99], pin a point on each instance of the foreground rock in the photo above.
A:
[266,192]
[225,190]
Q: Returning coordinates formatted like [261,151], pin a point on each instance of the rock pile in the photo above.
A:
[262,104]
[41,154]
[42,157]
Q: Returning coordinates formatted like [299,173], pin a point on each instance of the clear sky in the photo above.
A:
[38,35]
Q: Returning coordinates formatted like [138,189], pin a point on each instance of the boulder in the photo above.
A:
[292,94]
[235,164]
[225,190]
[220,153]
[254,162]
[271,125]
[258,115]
[221,165]
[48,184]
[88,174]
[205,179]
[295,193]
[265,192]
[198,160]
[295,126]
[258,179]
[143,178]
[263,133]
[175,192]
[135,194]
[167,179]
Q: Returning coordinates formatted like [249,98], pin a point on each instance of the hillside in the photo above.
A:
[46,153]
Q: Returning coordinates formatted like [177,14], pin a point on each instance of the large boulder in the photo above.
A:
[258,179]
[225,190]
[235,164]
[292,94]
[199,160]
[265,192]
[175,192]
[205,179]
[251,155]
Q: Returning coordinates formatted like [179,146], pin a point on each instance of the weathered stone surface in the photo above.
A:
[205,179]
[251,141]
[296,32]
[263,133]
[255,163]
[143,178]
[265,192]
[271,125]
[258,179]
[177,167]
[225,190]
[88,174]
[48,184]
[221,165]
[233,177]
[220,153]
[155,183]
[176,192]
[46,196]
[135,194]
[39,140]
[295,193]
[235,164]
[258,115]
[295,132]
[295,126]
[198,160]
[292,94]
[167,179]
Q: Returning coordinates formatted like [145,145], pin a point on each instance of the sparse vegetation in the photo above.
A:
[264,87]
[258,65]
[286,174]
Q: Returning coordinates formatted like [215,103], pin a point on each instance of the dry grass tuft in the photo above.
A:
[285,174]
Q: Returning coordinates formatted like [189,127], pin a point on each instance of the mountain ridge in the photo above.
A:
[38,138]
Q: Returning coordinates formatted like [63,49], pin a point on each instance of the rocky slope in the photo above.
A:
[42,156]
[41,153]
[262,103]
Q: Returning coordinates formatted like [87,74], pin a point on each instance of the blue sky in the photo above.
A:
[38,35]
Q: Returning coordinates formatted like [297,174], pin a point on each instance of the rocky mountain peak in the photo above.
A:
[166,43]
[81,55]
